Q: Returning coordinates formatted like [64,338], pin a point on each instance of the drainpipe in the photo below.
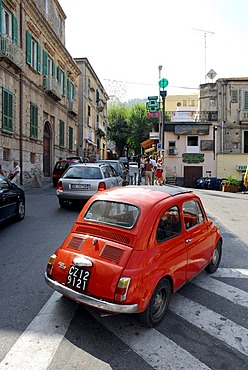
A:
[21,99]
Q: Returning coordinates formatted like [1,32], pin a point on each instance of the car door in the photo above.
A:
[198,237]
[8,199]
[119,179]
[109,178]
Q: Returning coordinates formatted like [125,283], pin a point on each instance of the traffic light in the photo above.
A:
[152,105]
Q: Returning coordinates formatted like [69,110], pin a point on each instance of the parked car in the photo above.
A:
[82,180]
[118,166]
[124,161]
[60,168]
[132,247]
[12,201]
[80,159]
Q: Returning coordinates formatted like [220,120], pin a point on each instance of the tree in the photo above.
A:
[128,126]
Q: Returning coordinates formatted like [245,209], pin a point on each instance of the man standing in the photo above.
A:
[15,174]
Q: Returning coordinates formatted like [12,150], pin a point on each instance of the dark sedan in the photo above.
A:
[12,201]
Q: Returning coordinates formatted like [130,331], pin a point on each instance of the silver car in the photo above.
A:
[83,180]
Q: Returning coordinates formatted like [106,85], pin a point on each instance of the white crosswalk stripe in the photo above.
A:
[43,336]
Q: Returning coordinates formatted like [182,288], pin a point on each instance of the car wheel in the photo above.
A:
[158,304]
[20,210]
[63,203]
[215,261]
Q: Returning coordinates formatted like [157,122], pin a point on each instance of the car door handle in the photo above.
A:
[188,240]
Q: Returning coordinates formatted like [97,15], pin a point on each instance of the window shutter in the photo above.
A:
[68,88]
[63,92]
[38,57]
[73,92]
[28,48]
[14,29]
[0,17]
[59,74]
[53,69]
[45,57]
[246,100]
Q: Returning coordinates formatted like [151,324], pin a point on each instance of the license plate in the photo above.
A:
[78,277]
[80,186]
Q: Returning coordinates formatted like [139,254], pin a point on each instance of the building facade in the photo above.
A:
[38,88]
[92,113]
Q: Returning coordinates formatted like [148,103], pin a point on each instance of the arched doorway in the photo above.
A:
[47,150]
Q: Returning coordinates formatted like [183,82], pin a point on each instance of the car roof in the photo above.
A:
[68,161]
[90,164]
[142,194]
[109,160]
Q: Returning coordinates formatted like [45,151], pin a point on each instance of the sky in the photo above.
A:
[126,42]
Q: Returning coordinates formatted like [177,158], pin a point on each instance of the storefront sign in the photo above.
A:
[193,158]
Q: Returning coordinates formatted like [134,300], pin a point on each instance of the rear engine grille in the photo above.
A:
[75,243]
[112,253]
[104,234]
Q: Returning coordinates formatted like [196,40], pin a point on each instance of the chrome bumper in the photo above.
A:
[90,301]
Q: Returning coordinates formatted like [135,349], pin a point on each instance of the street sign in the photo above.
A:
[163,83]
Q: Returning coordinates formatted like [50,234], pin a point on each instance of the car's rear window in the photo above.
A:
[83,173]
[115,213]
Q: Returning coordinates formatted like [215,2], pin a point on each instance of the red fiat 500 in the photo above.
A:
[131,247]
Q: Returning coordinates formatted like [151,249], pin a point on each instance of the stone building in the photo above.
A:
[92,113]
[37,86]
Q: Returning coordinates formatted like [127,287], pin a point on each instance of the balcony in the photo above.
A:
[243,116]
[100,106]
[52,87]
[72,107]
[10,52]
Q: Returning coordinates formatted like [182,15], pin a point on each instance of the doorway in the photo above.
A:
[191,174]
[47,150]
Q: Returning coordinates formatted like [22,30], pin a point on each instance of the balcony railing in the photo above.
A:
[72,107]
[10,51]
[52,87]
[191,116]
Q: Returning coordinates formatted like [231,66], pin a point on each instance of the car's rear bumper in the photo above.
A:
[91,301]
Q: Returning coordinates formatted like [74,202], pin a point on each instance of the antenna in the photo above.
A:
[205,46]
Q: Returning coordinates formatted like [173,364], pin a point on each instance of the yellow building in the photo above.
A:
[172,102]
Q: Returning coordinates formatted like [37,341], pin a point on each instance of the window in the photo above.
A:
[192,214]
[192,141]
[33,121]
[48,65]
[70,90]
[33,52]
[89,111]
[70,138]
[6,154]
[7,107]
[6,22]
[61,133]
[169,224]
[32,158]
[245,103]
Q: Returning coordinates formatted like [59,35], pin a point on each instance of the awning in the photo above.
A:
[147,143]
[90,142]
[149,150]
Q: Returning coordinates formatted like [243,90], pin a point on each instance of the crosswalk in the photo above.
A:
[156,347]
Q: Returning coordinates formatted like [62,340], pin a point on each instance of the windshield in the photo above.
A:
[118,214]
[75,172]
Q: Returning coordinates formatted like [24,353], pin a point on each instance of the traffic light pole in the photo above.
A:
[163,94]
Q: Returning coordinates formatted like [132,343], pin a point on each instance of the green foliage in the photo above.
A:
[128,126]
[231,180]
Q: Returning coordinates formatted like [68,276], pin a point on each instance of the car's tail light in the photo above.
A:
[50,264]
[101,186]
[122,289]
[59,185]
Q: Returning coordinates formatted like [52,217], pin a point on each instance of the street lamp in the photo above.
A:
[163,83]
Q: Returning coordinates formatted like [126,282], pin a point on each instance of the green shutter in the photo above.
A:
[70,138]
[53,69]
[68,89]
[14,29]
[246,100]
[73,92]
[0,17]
[38,58]
[45,57]
[59,74]
[63,73]
[28,48]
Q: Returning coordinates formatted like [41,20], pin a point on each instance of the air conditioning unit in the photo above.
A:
[172,151]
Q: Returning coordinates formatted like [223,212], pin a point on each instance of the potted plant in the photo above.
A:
[231,184]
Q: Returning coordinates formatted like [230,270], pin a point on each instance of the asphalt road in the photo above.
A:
[206,326]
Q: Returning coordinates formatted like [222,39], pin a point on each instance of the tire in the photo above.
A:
[158,304]
[215,261]
[20,210]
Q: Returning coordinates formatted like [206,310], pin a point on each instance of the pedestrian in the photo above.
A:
[148,172]
[159,172]
[154,164]
[15,174]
